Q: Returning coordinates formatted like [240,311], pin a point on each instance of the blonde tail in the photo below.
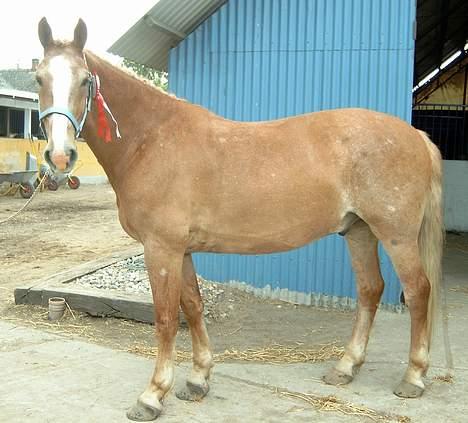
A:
[431,237]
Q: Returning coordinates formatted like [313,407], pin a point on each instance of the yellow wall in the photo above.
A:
[447,88]
[13,156]
[451,92]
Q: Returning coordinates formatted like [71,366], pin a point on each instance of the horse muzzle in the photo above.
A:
[62,161]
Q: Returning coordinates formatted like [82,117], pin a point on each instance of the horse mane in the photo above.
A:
[102,61]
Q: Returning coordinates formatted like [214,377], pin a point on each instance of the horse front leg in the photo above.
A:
[192,305]
[165,272]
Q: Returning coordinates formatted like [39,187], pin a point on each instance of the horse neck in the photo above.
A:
[134,104]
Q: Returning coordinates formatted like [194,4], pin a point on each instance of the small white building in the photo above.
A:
[19,116]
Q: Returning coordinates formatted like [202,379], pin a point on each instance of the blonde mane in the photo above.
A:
[129,72]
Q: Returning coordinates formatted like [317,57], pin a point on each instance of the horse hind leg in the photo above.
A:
[362,245]
[406,259]
[197,382]
[417,257]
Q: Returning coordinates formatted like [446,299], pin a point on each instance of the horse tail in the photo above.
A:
[432,234]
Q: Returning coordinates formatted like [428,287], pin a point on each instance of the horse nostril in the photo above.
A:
[73,155]
[48,159]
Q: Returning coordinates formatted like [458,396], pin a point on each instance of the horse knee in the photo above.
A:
[166,326]
[416,290]
[370,293]
[192,307]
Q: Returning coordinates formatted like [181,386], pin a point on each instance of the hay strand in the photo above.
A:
[448,378]
[333,404]
[458,288]
[70,310]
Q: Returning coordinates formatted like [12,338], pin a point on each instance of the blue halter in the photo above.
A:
[78,126]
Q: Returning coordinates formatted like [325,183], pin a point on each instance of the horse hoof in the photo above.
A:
[193,392]
[143,413]
[408,390]
[335,377]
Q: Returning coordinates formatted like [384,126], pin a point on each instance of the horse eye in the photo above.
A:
[84,82]
[39,80]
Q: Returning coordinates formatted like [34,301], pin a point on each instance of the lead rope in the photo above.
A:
[29,199]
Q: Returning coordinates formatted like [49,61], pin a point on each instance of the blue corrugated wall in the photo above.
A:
[266,59]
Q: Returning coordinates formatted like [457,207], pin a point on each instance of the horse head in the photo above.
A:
[64,94]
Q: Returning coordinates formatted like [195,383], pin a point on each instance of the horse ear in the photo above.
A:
[45,33]
[81,34]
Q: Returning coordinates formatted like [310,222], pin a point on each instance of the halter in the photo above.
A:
[94,93]
[78,126]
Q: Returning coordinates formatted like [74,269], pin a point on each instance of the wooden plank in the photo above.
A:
[27,294]
[96,302]
[108,303]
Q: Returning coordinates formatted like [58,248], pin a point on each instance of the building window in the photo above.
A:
[35,129]
[3,122]
[16,123]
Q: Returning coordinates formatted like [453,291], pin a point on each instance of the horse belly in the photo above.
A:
[254,243]
[268,227]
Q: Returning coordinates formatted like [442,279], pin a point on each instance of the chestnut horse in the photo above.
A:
[187,180]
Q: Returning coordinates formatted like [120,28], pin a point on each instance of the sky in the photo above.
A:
[106,21]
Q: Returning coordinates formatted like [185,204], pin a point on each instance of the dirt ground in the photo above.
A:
[66,228]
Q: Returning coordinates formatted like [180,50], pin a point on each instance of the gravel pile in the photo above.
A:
[130,276]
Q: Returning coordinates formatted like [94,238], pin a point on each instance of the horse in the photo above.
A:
[187,180]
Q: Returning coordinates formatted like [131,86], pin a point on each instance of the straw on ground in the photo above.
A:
[272,354]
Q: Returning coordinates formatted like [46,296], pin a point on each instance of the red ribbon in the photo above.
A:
[104,131]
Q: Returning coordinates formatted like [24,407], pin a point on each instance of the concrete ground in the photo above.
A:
[49,378]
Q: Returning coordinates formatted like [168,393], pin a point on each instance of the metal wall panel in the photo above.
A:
[266,59]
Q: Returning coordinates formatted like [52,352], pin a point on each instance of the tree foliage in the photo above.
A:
[158,78]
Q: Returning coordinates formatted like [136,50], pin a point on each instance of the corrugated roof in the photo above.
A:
[162,28]
[18,79]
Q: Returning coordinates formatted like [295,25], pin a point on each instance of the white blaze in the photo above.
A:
[60,70]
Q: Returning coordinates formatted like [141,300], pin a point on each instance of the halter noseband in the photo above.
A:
[78,126]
